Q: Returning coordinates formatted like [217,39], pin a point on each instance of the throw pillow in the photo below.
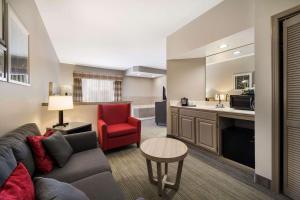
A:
[48,133]
[42,160]
[51,189]
[7,163]
[18,186]
[58,147]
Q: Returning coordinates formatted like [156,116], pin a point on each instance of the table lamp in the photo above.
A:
[60,103]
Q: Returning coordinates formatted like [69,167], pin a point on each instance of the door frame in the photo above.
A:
[276,96]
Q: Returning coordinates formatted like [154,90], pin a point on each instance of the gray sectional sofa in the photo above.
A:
[87,169]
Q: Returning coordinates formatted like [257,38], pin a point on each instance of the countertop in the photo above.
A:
[213,108]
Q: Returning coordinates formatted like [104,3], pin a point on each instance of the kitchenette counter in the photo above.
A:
[219,110]
[215,129]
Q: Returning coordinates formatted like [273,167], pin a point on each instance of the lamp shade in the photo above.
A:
[60,103]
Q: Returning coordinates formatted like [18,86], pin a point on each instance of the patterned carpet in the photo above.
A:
[202,177]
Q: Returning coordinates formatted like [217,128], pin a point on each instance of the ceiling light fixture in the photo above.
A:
[223,46]
[236,53]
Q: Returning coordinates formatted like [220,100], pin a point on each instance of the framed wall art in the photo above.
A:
[242,81]
[18,50]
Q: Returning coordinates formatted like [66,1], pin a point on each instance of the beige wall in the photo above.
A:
[227,18]
[21,104]
[264,9]
[138,90]
[158,84]
[219,77]
[185,78]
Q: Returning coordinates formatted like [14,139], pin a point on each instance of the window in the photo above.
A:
[97,90]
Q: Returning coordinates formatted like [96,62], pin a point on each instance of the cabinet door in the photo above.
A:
[174,124]
[187,128]
[206,134]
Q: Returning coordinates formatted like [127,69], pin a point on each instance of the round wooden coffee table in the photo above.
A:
[164,150]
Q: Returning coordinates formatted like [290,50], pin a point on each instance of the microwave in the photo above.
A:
[242,102]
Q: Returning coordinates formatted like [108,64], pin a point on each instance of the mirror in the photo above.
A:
[229,73]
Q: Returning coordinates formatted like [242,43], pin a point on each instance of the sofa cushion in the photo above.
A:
[21,151]
[16,140]
[7,163]
[51,189]
[42,160]
[18,185]
[100,186]
[114,113]
[80,165]
[117,130]
[26,130]
[59,148]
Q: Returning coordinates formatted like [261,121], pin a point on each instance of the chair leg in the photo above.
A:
[138,144]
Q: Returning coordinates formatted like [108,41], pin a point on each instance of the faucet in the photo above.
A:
[220,105]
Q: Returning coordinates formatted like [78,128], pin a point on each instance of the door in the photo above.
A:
[174,124]
[291,106]
[187,128]
[206,134]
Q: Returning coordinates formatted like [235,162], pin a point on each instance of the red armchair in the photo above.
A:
[116,127]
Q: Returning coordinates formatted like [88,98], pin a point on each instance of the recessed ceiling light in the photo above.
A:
[223,46]
[236,53]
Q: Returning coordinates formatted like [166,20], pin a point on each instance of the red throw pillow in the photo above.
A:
[43,161]
[48,133]
[18,185]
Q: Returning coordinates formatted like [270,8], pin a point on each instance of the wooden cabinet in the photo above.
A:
[206,134]
[187,128]
[174,124]
[195,126]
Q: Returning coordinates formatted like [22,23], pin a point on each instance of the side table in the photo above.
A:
[73,127]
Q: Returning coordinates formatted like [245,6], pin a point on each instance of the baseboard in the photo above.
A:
[260,180]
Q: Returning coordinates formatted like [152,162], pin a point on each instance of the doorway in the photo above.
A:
[286,103]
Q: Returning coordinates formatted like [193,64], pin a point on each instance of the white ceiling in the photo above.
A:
[116,34]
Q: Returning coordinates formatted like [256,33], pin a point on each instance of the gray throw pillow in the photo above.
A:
[59,148]
[51,189]
[7,163]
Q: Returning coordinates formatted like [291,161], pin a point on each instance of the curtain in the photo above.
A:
[117,90]
[89,87]
[77,90]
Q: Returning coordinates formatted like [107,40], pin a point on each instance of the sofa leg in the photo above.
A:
[138,144]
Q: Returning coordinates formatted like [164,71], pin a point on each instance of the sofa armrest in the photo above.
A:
[134,121]
[102,133]
[82,141]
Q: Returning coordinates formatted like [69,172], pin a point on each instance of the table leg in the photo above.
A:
[178,176]
[166,168]
[159,179]
[150,172]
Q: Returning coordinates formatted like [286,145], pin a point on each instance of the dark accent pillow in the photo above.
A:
[7,163]
[58,147]
[18,185]
[51,189]
[42,160]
